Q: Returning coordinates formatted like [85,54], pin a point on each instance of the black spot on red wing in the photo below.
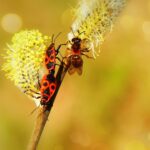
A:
[46,59]
[53,87]
[46,91]
[52,58]
[45,84]
[50,65]
[49,52]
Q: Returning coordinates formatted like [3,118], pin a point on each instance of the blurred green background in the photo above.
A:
[107,108]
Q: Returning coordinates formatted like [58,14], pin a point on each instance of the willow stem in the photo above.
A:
[38,128]
[44,111]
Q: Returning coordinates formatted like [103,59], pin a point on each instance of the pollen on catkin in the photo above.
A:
[24,59]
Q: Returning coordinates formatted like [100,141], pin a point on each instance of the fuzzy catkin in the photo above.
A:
[24,59]
[94,19]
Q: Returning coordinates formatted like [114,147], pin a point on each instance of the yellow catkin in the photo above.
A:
[24,59]
[94,19]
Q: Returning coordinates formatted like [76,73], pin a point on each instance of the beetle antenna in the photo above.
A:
[52,38]
[57,36]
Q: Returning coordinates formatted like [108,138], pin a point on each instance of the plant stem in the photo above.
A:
[41,119]
[44,111]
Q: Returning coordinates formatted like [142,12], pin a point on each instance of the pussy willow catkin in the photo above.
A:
[94,19]
[24,59]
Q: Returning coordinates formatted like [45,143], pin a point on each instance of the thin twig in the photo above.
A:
[38,128]
[44,111]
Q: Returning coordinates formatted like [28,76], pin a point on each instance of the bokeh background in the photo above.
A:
[107,108]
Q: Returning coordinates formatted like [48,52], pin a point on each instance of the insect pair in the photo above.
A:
[73,61]
[48,83]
